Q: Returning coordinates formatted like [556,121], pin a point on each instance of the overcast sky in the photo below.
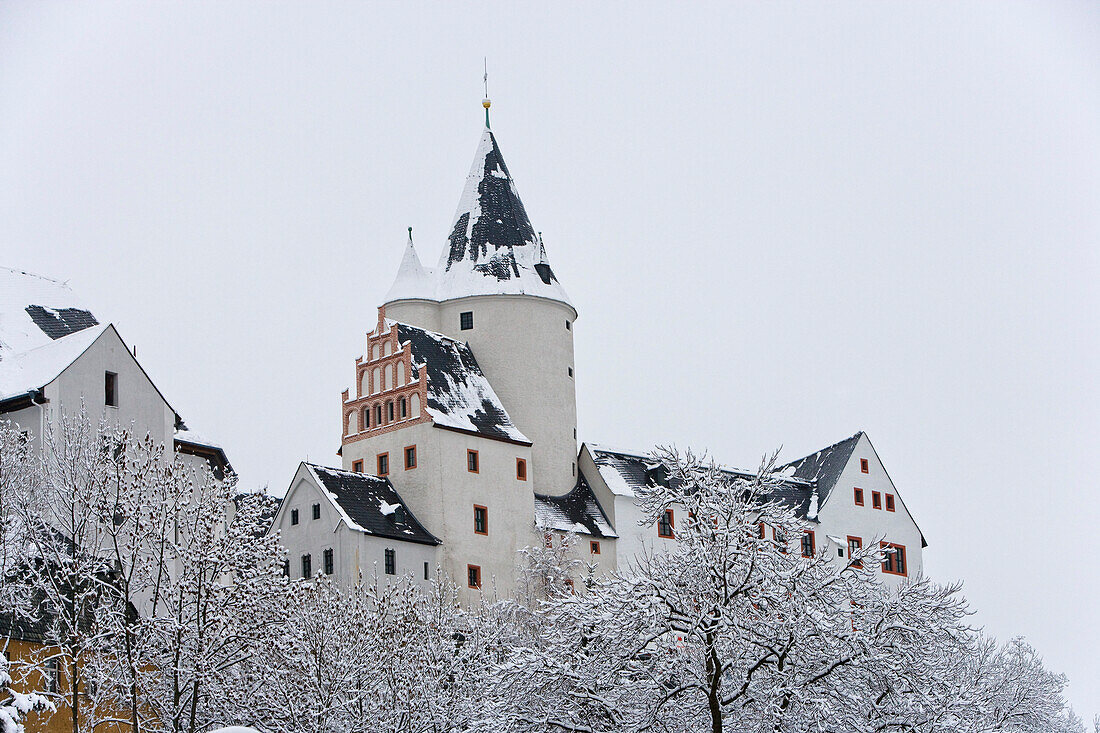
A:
[780,224]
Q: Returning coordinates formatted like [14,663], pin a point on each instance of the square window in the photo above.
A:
[383,464]
[410,457]
[307,569]
[594,546]
[665,524]
[889,502]
[481,520]
[466,320]
[293,516]
[855,544]
[110,389]
[471,461]
[316,511]
[894,561]
[521,469]
[808,549]
[876,500]
[327,559]
[473,576]
[863,465]
[391,562]
[357,466]
[859,497]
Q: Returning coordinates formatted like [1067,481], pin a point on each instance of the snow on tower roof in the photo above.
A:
[492,247]
[460,397]
[413,279]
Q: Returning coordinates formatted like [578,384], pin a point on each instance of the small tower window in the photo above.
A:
[570,371]
[466,320]
[425,570]
[391,561]
[521,469]
[568,325]
[110,389]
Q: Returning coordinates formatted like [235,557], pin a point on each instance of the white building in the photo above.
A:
[463,408]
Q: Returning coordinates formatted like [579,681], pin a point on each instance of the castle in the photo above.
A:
[459,443]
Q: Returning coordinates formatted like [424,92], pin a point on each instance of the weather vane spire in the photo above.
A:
[485,102]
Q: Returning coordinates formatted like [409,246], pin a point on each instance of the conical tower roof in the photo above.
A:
[492,248]
[413,279]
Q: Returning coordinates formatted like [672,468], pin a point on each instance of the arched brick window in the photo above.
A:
[400,374]
[376,381]
[414,408]
[352,428]
[389,376]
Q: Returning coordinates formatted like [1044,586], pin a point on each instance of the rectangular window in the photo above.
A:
[760,527]
[329,561]
[357,466]
[568,326]
[521,469]
[548,540]
[876,500]
[594,546]
[471,461]
[481,520]
[316,511]
[425,570]
[307,566]
[383,464]
[110,389]
[894,562]
[863,466]
[473,576]
[466,320]
[855,544]
[889,502]
[293,516]
[286,568]
[570,369]
[377,415]
[389,411]
[859,497]
[410,457]
[808,549]
[403,408]
[52,675]
[665,524]
[391,562]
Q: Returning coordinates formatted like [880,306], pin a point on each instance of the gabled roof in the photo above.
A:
[26,371]
[578,511]
[825,466]
[459,395]
[626,471]
[370,504]
[36,310]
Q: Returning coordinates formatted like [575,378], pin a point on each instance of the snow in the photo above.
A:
[344,516]
[235,729]
[386,508]
[413,279]
[33,369]
[19,289]
[190,436]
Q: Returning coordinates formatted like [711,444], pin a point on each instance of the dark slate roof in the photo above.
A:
[626,471]
[578,511]
[492,247]
[367,503]
[824,467]
[56,323]
[459,395]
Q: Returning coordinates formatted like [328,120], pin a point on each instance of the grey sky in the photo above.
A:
[780,224]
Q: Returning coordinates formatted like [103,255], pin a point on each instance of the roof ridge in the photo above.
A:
[62,283]
[822,450]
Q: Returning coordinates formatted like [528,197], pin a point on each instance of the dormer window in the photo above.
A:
[466,320]
[110,389]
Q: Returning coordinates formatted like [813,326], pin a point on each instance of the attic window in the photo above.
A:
[316,511]
[403,408]
[293,516]
[859,497]
[110,389]
[389,411]
[876,500]
[466,320]
[863,465]
[889,502]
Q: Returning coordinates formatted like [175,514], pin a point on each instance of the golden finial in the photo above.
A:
[485,102]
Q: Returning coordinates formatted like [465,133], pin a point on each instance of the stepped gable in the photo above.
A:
[493,247]
[578,511]
[459,395]
[370,504]
[626,471]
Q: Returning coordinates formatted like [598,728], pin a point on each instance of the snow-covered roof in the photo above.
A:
[492,248]
[824,467]
[369,503]
[23,372]
[459,395]
[36,310]
[578,511]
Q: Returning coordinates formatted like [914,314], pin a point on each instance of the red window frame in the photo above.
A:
[892,558]
[548,540]
[864,466]
[813,543]
[876,499]
[521,469]
[378,460]
[357,466]
[473,576]
[484,520]
[858,494]
[671,516]
[594,547]
[763,531]
[858,542]
[890,503]
[405,454]
[475,463]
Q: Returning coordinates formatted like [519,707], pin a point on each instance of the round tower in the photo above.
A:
[494,289]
